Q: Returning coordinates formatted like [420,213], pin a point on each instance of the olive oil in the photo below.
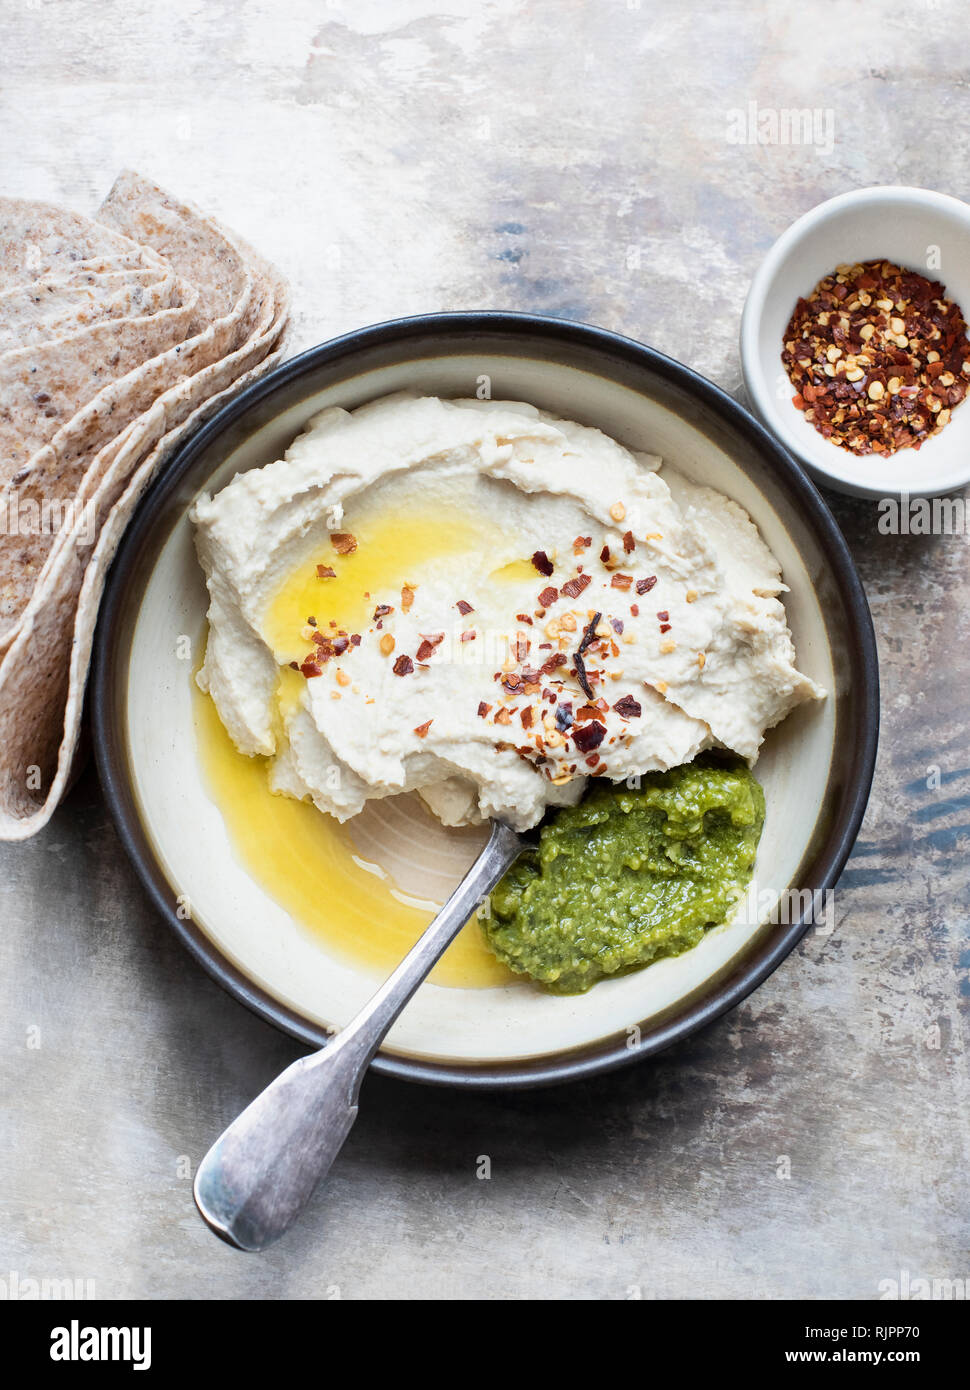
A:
[308,863]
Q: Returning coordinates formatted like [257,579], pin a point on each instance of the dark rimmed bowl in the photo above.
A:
[817,768]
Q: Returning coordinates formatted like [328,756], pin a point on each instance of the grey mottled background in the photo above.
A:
[571,159]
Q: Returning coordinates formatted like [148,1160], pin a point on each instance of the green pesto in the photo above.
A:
[629,875]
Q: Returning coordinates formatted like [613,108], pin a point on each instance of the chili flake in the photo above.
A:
[628,707]
[878,357]
[574,587]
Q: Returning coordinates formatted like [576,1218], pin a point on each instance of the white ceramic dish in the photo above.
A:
[913,227]
[815,768]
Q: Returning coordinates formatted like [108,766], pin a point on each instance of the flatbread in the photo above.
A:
[196,246]
[43,676]
[47,641]
[45,385]
[37,240]
[30,314]
[108,474]
[231,291]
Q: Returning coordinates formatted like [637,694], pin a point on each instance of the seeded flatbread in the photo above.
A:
[45,385]
[30,314]
[231,296]
[44,673]
[198,248]
[38,240]
[106,477]
[53,585]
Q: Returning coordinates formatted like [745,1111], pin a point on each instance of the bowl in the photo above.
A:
[912,227]
[816,767]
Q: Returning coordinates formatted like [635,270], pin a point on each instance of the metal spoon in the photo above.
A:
[256,1178]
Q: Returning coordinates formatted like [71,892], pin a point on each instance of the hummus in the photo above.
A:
[486,604]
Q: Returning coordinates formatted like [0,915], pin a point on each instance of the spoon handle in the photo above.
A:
[259,1174]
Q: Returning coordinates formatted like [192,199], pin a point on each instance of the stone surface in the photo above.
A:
[571,159]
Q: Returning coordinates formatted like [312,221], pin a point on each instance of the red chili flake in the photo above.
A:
[312,620]
[552,663]
[587,712]
[883,408]
[635,610]
[645,585]
[665,627]
[588,736]
[526,717]
[355,639]
[663,615]
[343,542]
[628,542]
[628,707]
[483,709]
[605,554]
[503,717]
[382,610]
[621,581]
[574,587]
[464,607]
[311,668]
[548,597]
[294,665]
[428,645]
[511,680]
[341,645]
[325,572]
[524,618]
[584,541]
[403,666]
[520,647]
[542,562]
[422,729]
[469,636]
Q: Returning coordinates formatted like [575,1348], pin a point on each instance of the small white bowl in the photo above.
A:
[913,227]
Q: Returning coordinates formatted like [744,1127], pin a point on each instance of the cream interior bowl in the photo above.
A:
[816,768]
[913,227]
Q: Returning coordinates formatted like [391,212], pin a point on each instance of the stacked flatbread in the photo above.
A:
[118,337]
